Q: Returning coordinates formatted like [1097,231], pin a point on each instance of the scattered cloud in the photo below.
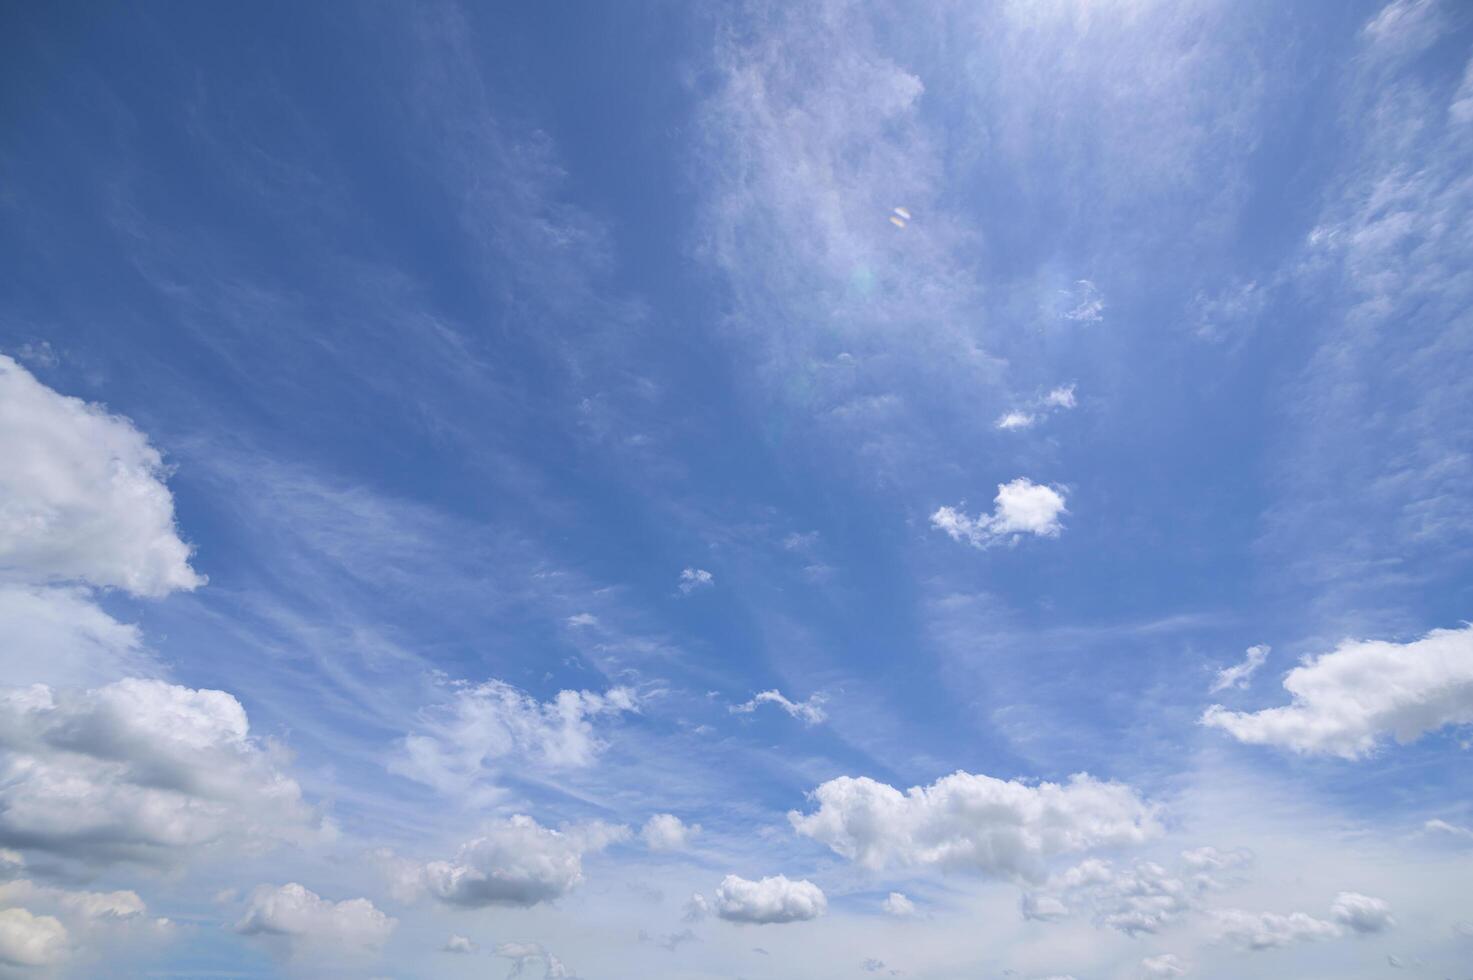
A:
[1084,302]
[303,920]
[1362,913]
[1238,675]
[1256,931]
[1023,507]
[898,905]
[810,712]
[1165,965]
[692,579]
[459,944]
[525,956]
[1347,701]
[1022,418]
[974,822]
[667,832]
[771,900]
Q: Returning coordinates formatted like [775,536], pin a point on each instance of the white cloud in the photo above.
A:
[1269,930]
[527,955]
[31,940]
[582,619]
[810,712]
[59,636]
[1438,826]
[771,900]
[898,905]
[697,908]
[82,497]
[667,832]
[1165,965]
[974,822]
[1058,399]
[692,579]
[1014,420]
[1239,675]
[458,944]
[1362,913]
[1023,507]
[139,770]
[466,743]
[515,862]
[1085,303]
[305,920]
[1347,701]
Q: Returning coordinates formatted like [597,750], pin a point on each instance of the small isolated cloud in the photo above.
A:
[31,940]
[458,944]
[516,862]
[974,822]
[667,832]
[1254,931]
[1084,303]
[1022,507]
[581,620]
[899,906]
[692,579]
[1165,965]
[301,919]
[809,712]
[1058,399]
[1347,701]
[527,956]
[1362,913]
[82,495]
[464,744]
[771,900]
[1239,675]
[1436,826]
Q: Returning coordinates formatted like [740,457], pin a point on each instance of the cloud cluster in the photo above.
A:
[1359,913]
[305,921]
[974,822]
[810,712]
[516,862]
[1024,418]
[770,900]
[1347,701]
[467,741]
[1022,507]
[139,770]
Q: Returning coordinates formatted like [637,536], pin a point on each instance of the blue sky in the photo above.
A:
[782,491]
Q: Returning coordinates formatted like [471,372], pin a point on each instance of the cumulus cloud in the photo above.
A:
[1142,899]
[465,743]
[1268,930]
[458,944]
[974,822]
[31,940]
[302,920]
[82,495]
[667,832]
[516,862]
[692,579]
[898,905]
[1347,701]
[59,636]
[771,900]
[1362,913]
[1238,675]
[139,770]
[1023,507]
[1165,965]
[810,712]
[91,922]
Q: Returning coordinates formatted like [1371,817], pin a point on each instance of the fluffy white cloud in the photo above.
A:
[92,923]
[667,832]
[1238,675]
[516,862]
[1362,913]
[695,578]
[1014,420]
[1138,900]
[898,905]
[1269,930]
[1023,418]
[1060,397]
[139,770]
[31,940]
[1165,965]
[810,712]
[524,956]
[463,744]
[1346,701]
[771,900]
[304,919]
[82,495]
[974,822]
[1022,507]
[458,944]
